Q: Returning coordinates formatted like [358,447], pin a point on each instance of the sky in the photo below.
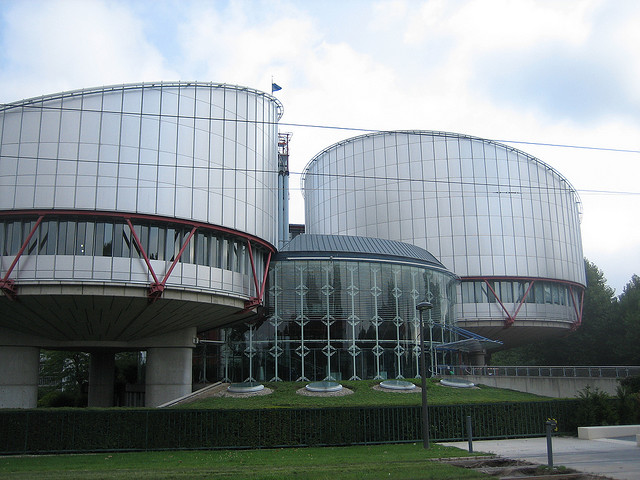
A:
[524,72]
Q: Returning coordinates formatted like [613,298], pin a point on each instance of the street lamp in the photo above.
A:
[421,307]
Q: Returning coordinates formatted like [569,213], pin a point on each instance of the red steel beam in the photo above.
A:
[264,278]
[157,287]
[524,297]
[259,298]
[139,216]
[142,250]
[7,285]
[523,279]
[253,270]
[510,320]
[579,312]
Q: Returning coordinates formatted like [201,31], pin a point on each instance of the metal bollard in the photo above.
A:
[550,426]
[469,434]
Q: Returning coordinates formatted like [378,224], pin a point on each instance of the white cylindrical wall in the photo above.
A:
[195,151]
[480,207]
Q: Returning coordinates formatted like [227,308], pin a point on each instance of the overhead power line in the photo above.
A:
[462,184]
[177,116]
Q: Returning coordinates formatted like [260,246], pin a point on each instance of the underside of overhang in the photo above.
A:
[95,313]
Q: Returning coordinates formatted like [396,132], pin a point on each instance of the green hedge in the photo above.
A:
[89,430]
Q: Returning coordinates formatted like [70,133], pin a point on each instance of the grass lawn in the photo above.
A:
[404,461]
[284,396]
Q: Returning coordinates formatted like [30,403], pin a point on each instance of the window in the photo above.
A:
[114,238]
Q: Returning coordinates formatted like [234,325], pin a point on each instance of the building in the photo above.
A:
[132,217]
[344,308]
[138,217]
[505,222]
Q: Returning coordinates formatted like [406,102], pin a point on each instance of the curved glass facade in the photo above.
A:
[342,320]
[196,151]
[62,248]
[492,214]
[480,207]
[162,153]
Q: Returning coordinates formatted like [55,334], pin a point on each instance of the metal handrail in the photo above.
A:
[586,371]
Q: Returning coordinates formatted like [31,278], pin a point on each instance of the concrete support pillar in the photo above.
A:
[168,374]
[19,376]
[101,378]
[478,359]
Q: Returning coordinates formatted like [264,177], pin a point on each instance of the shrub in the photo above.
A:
[595,407]
[628,405]
[631,383]
[56,398]
[76,430]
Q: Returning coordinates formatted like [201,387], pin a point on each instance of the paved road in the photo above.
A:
[614,458]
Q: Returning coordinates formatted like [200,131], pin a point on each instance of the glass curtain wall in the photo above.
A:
[342,320]
[112,238]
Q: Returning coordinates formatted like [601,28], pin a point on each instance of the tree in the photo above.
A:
[69,372]
[69,369]
[629,314]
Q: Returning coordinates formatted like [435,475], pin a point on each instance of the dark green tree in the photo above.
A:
[69,370]
[629,314]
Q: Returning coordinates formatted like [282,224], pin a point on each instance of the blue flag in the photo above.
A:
[275,87]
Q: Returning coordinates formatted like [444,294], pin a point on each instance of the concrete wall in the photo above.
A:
[19,376]
[556,387]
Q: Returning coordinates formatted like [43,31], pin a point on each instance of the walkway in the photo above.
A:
[617,458]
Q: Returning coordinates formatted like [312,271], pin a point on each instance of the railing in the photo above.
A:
[49,381]
[608,371]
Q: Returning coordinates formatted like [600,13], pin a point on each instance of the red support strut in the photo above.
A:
[257,301]
[156,289]
[575,325]
[510,320]
[7,285]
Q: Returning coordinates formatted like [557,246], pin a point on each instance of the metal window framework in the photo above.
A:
[511,318]
[157,287]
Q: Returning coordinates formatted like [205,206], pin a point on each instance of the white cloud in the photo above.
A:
[401,65]
[60,45]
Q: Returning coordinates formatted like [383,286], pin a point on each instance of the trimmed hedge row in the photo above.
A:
[90,430]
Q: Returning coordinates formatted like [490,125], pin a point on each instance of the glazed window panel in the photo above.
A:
[114,238]
[200,248]
[89,239]
[33,242]
[118,231]
[188,252]
[2,238]
[43,235]
[154,235]
[70,239]
[107,240]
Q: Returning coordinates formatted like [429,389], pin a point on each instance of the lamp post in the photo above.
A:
[421,307]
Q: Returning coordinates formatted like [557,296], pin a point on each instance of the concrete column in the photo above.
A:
[168,374]
[478,358]
[101,378]
[19,376]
